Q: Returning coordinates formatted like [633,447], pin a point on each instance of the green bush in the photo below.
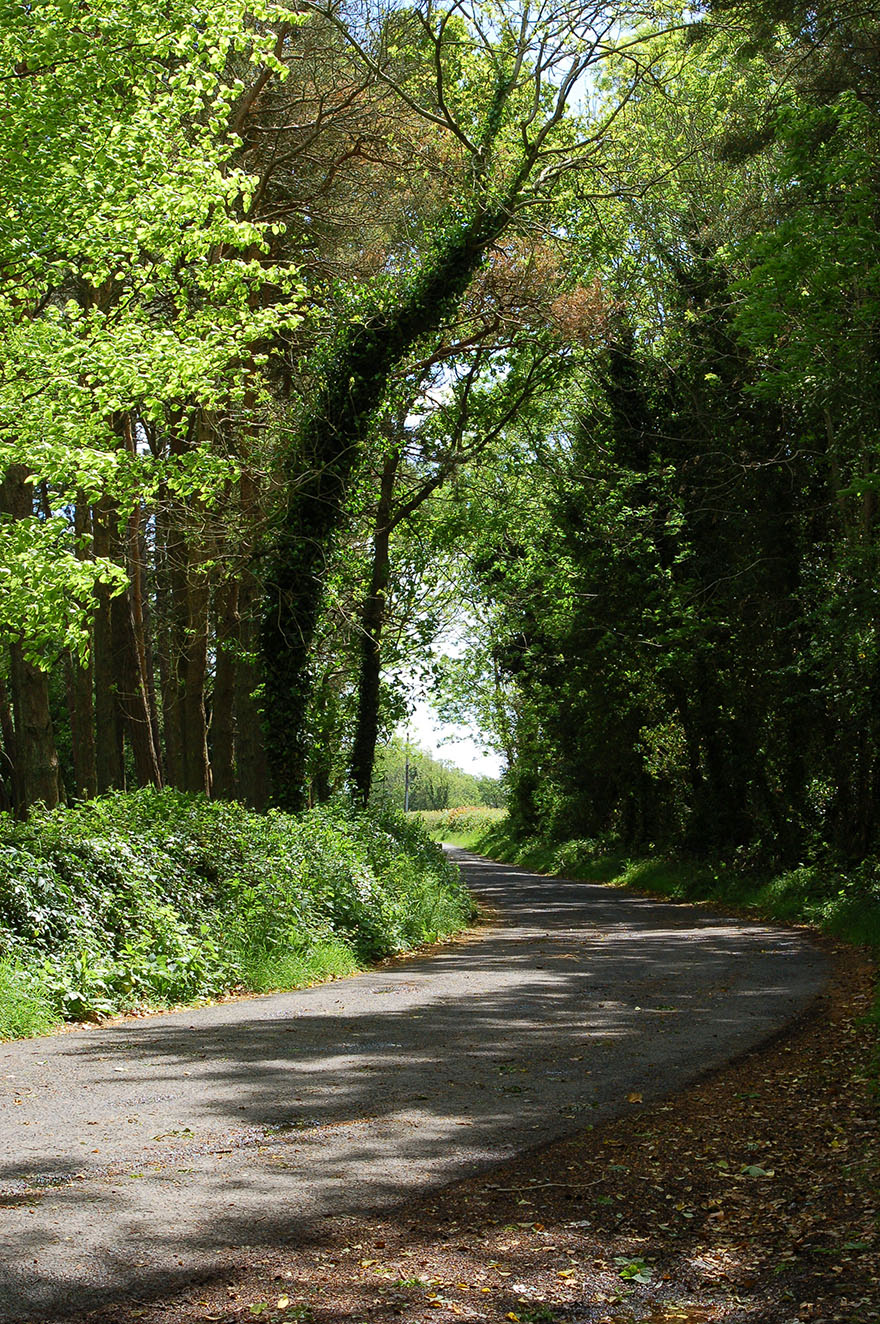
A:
[159,897]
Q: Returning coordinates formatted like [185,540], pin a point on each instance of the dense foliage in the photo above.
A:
[295,271]
[352,324]
[160,897]
[679,595]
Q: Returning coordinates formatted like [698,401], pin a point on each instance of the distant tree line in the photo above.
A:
[434,783]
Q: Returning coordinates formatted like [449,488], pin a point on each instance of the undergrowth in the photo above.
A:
[157,897]
[25,1007]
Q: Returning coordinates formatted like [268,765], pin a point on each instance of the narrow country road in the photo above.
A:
[135,1155]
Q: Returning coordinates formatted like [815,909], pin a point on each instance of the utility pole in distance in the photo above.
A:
[406,776]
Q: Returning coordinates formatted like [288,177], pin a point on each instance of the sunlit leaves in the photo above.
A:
[135,283]
[46,591]
[813,294]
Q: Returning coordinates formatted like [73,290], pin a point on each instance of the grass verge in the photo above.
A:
[25,1005]
[267,970]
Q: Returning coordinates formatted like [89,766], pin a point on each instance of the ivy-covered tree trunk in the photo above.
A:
[372,621]
[330,446]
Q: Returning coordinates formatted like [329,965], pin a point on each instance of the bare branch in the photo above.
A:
[378,72]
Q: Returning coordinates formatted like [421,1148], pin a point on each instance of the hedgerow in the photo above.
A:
[159,897]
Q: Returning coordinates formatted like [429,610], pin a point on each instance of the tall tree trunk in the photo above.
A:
[7,752]
[251,762]
[171,599]
[37,771]
[136,561]
[7,756]
[150,659]
[37,774]
[222,708]
[126,658]
[132,645]
[252,766]
[195,726]
[195,662]
[185,630]
[109,762]
[132,693]
[372,621]
[79,681]
[324,732]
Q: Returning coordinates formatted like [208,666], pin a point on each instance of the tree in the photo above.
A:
[457,431]
[499,88]
[703,674]
[129,314]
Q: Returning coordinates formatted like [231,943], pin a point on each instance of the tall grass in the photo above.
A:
[267,969]
[25,1005]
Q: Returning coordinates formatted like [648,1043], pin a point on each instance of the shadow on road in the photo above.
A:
[241,1125]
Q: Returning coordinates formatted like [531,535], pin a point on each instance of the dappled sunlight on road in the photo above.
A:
[152,1147]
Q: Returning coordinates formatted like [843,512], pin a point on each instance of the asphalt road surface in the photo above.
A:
[135,1155]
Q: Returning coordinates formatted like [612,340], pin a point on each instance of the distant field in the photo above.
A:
[464,826]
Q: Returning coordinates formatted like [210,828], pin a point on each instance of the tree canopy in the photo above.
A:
[329,331]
